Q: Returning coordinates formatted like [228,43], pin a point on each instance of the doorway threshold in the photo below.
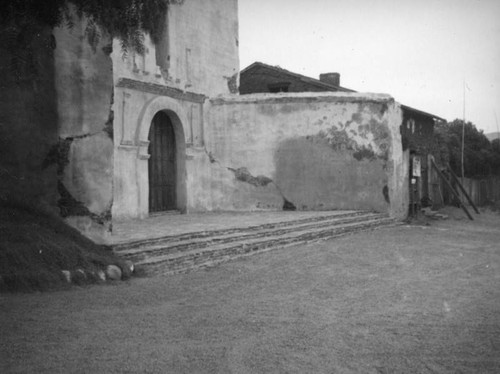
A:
[164,213]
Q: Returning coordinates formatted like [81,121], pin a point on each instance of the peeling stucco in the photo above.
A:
[58,154]
[232,83]
[108,126]
[243,175]
[324,151]
[385,192]
[364,153]
[69,206]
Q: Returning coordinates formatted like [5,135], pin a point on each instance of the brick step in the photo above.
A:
[211,255]
[146,250]
[167,239]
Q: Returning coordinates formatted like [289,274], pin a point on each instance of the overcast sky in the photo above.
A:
[419,51]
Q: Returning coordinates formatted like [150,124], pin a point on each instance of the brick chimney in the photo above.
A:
[330,78]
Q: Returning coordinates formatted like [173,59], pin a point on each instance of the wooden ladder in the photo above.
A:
[454,191]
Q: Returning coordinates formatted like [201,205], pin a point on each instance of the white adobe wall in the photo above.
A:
[198,53]
[318,151]
[204,52]
[84,86]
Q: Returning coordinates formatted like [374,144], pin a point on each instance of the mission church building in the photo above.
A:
[168,131]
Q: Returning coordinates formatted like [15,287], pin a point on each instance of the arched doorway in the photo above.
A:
[162,164]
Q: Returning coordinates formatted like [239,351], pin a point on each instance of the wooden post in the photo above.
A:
[462,189]
[455,193]
[430,186]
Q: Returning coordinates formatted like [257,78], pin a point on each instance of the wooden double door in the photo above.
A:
[162,164]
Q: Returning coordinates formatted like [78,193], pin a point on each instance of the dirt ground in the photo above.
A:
[406,299]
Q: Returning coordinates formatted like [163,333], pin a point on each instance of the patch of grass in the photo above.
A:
[492,206]
[36,245]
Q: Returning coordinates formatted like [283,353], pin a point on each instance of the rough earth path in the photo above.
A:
[406,299]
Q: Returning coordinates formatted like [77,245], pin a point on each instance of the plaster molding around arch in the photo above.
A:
[179,119]
[166,104]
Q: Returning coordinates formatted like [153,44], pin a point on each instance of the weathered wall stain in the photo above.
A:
[318,176]
[69,206]
[338,140]
[243,175]
[385,192]
[61,155]
[58,155]
[364,153]
[331,152]
[343,140]
[108,126]
[232,83]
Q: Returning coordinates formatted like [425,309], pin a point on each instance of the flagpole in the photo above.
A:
[496,120]
[463,133]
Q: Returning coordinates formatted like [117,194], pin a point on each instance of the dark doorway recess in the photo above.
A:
[162,164]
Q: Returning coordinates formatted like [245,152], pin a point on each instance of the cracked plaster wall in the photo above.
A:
[214,185]
[322,151]
[84,86]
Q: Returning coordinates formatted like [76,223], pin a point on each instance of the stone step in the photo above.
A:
[181,258]
[168,239]
[146,250]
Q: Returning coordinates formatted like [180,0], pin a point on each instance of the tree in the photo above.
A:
[495,160]
[123,19]
[479,153]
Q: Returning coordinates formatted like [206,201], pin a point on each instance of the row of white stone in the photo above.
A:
[112,272]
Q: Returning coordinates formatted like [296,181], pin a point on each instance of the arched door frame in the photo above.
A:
[178,117]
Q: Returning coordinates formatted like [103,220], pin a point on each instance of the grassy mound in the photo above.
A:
[36,245]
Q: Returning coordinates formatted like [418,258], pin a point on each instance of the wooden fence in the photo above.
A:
[481,191]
